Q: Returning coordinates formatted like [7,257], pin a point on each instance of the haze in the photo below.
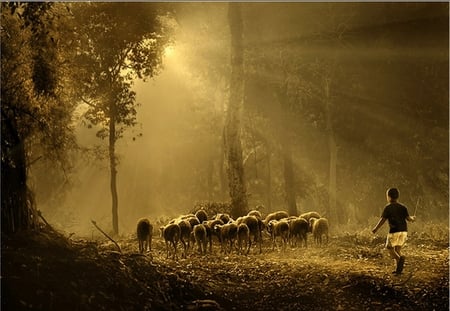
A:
[389,87]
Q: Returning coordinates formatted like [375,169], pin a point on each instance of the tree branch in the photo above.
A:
[88,102]
[105,234]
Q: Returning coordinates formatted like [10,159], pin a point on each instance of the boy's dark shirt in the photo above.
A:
[396,214]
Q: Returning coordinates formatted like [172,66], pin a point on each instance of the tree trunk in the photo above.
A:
[15,209]
[269,182]
[113,169]
[332,192]
[284,138]
[289,182]
[236,179]
[222,164]
[210,177]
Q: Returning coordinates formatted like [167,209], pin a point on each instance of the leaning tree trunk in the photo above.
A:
[113,168]
[233,147]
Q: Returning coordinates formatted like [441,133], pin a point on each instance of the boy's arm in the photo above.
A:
[379,224]
[411,218]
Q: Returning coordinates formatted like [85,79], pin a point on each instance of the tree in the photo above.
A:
[207,70]
[119,43]
[233,147]
[35,112]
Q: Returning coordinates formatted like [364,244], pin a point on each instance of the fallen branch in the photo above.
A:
[39,213]
[105,234]
[45,221]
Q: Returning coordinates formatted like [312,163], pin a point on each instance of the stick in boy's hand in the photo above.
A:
[417,203]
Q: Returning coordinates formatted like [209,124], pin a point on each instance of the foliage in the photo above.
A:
[36,113]
[118,43]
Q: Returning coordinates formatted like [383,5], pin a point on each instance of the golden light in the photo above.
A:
[169,51]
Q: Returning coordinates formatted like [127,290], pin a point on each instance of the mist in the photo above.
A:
[384,113]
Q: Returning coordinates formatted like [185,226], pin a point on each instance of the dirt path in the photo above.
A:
[48,272]
[336,277]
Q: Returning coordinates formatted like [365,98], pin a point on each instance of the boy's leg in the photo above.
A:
[394,254]
[398,250]
[401,260]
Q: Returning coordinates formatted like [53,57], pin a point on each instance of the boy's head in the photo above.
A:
[392,194]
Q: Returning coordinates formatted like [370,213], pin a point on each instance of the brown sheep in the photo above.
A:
[279,229]
[298,230]
[185,235]
[311,223]
[255,213]
[224,217]
[193,220]
[255,227]
[228,234]
[275,216]
[309,215]
[243,236]
[200,237]
[186,217]
[144,232]
[201,215]
[209,225]
[320,228]
[171,234]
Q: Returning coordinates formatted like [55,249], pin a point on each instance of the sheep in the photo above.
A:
[209,225]
[320,228]
[311,223]
[185,234]
[224,217]
[275,216]
[255,213]
[144,232]
[308,215]
[171,234]
[279,228]
[193,220]
[186,217]
[200,236]
[255,227]
[243,236]
[298,230]
[201,215]
[228,234]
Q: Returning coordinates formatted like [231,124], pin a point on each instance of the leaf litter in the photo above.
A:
[46,271]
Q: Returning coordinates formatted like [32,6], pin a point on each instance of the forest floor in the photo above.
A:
[47,271]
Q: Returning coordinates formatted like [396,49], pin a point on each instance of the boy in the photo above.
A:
[397,215]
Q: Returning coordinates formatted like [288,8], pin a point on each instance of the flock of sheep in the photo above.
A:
[233,234]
